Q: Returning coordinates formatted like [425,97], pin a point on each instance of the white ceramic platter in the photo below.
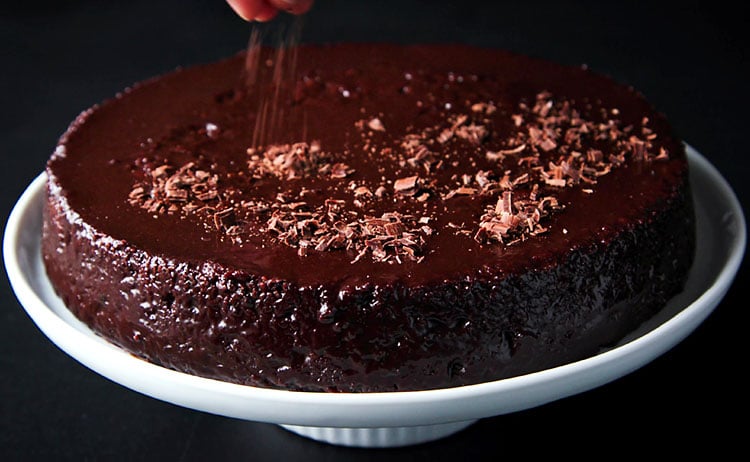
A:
[389,419]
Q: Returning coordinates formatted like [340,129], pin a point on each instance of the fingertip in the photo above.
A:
[292,6]
[253,10]
[241,8]
[266,13]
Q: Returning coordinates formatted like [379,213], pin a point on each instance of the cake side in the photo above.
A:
[205,319]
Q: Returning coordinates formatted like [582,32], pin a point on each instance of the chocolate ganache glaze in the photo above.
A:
[399,218]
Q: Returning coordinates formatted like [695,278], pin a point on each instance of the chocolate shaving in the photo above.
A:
[171,190]
[484,108]
[462,191]
[288,161]
[419,154]
[224,219]
[509,222]
[495,156]
[445,135]
[406,185]
[473,133]
[517,150]
[376,125]
[340,170]
[392,237]
[362,192]
[381,192]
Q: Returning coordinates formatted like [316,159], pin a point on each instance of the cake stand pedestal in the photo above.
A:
[382,437]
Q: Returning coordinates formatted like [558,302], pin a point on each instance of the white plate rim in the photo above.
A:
[368,409]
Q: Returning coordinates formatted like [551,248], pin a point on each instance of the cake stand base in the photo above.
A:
[383,437]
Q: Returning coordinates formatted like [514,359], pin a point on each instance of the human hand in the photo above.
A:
[265,10]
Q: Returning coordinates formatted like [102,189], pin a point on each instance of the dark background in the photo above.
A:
[56,59]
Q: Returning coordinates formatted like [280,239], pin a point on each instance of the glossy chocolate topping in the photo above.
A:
[408,89]
[446,195]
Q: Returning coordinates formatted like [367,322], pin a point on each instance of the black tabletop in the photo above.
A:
[60,57]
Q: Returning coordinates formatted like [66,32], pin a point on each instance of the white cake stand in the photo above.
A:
[389,419]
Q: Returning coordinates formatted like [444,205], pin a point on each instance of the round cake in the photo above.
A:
[367,218]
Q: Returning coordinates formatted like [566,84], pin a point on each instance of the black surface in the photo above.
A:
[58,59]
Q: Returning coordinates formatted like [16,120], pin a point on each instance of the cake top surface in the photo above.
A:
[370,163]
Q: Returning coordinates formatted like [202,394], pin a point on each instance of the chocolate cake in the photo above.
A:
[362,218]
